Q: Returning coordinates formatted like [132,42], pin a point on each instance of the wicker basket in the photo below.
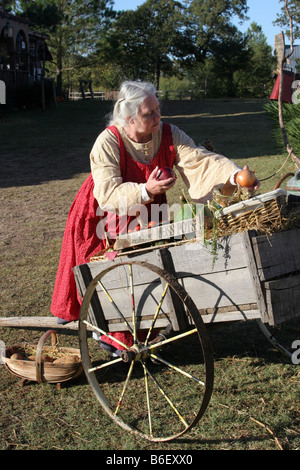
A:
[265,213]
[39,371]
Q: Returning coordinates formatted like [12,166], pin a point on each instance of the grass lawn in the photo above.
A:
[44,160]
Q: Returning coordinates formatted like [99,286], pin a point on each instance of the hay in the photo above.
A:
[269,217]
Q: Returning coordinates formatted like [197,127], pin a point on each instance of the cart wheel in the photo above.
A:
[156,388]
[282,336]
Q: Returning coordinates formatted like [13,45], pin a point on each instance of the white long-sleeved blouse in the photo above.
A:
[200,169]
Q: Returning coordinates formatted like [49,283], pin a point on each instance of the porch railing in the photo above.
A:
[14,79]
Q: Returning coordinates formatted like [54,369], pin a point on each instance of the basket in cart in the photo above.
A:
[265,213]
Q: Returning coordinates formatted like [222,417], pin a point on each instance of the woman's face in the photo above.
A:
[148,118]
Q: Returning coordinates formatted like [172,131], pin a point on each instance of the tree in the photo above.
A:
[163,36]
[212,50]
[217,49]
[237,64]
[256,78]
[284,21]
[7,6]
[145,42]
[44,14]
[208,21]
[230,54]
[74,26]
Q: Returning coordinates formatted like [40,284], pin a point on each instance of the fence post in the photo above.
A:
[82,89]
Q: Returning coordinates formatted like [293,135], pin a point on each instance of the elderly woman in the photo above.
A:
[124,163]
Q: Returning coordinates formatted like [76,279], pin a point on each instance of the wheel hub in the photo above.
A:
[135,353]
[132,354]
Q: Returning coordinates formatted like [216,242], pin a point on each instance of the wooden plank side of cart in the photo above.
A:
[251,277]
[254,276]
[146,285]
[277,260]
[221,285]
[101,310]
[222,288]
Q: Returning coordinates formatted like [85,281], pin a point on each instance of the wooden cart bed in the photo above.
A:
[250,276]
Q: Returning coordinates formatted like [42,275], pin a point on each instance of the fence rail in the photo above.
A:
[14,79]
[112,95]
[96,95]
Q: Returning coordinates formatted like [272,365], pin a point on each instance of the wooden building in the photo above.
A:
[23,55]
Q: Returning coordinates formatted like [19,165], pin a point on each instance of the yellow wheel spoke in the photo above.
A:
[148,401]
[106,364]
[124,388]
[171,340]
[166,397]
[132,304]
[115,306]
[167,363]
[99,330]
[156,313]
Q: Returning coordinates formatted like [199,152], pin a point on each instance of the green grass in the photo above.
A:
[44,160]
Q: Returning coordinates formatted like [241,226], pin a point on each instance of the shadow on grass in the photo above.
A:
[37,147]
[55,145]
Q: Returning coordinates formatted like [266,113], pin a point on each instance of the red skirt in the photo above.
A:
[80,242]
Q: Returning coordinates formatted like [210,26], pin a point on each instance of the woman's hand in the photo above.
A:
[230,186]
[256,184]
[155,187]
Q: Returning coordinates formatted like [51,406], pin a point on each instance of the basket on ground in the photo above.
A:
[38,369]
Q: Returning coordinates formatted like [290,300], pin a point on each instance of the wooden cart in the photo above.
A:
[160,298]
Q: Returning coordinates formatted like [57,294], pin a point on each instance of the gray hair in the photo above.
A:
[130,98]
